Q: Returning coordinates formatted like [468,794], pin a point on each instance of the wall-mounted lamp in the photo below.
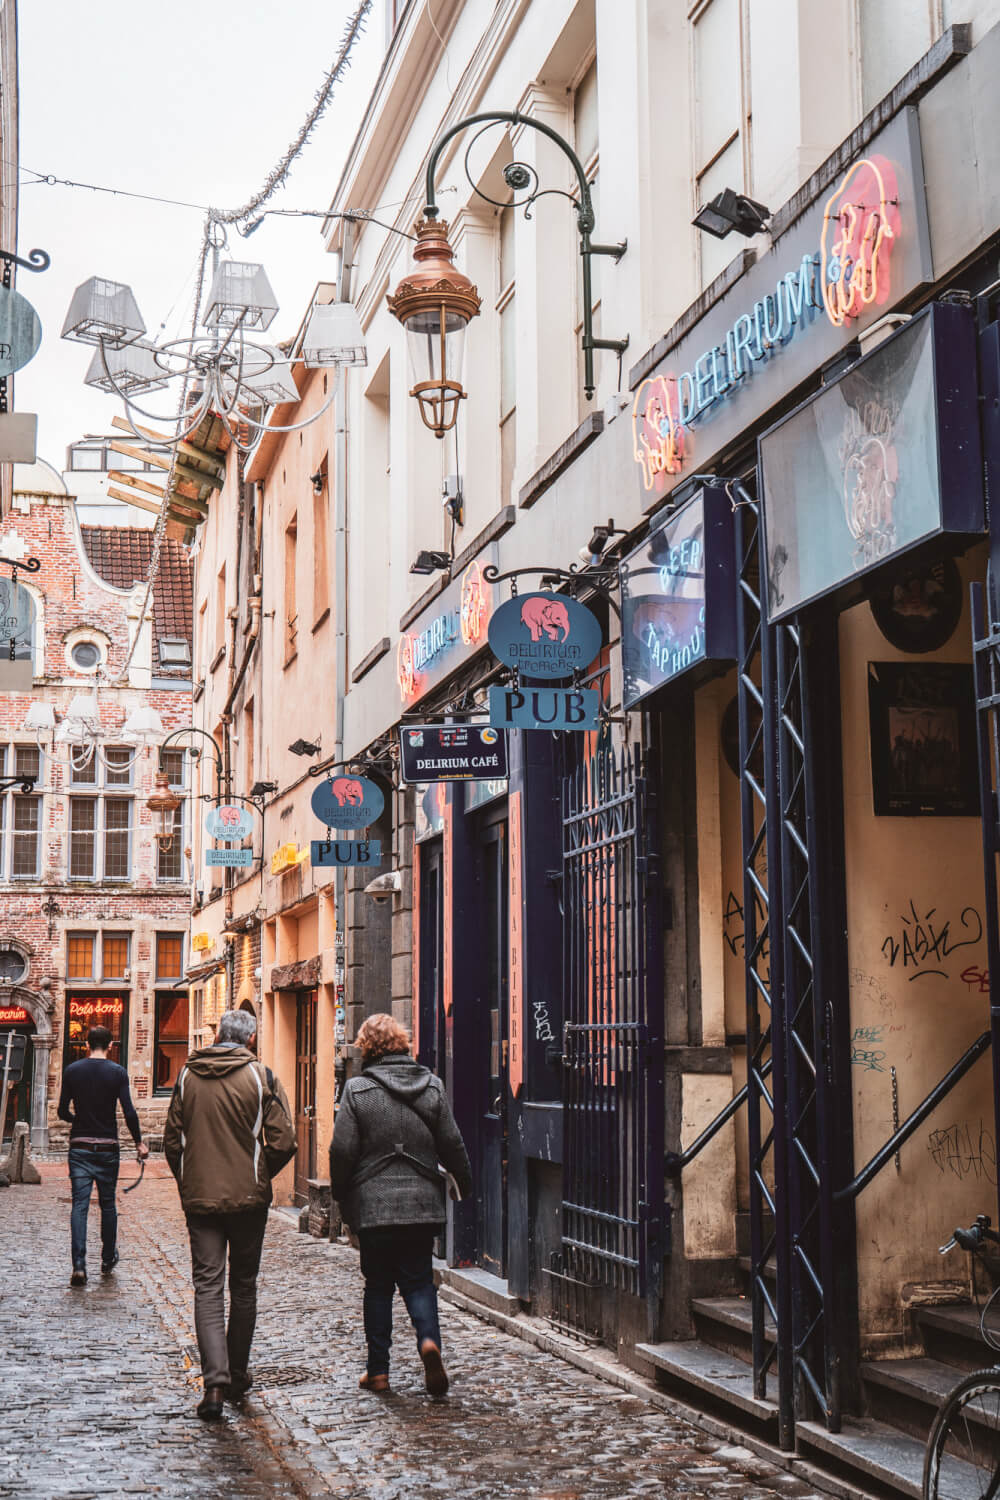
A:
[431,562]
[730,210]
[599,539]
[318,480]
[304,747]
[263,788]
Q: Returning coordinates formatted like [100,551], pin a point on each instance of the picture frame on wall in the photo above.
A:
[922,719]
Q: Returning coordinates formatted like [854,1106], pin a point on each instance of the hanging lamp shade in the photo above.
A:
[125,371]
[143,726]
[435,304]
[333,336]
[81,720]
[238,288]
[103,310]
[275,385]
[41,717]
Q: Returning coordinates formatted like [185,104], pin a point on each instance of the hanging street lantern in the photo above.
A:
[435,304]
[163,803]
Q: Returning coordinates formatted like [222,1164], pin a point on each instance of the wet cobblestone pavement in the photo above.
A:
[98,1387]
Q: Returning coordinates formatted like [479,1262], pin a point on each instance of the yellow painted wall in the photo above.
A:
[914,908]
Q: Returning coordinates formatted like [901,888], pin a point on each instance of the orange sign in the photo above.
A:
[515,992]
[95,1010]
[448,895]
[13,1015]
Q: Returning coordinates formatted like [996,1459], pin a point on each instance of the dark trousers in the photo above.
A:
[391,1256]
[87,1166]
[225,1351]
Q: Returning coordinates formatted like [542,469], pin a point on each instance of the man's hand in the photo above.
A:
[142,1151]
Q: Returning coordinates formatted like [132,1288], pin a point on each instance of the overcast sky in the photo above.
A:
[193,100]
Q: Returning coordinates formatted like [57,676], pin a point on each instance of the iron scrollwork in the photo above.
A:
[603,581]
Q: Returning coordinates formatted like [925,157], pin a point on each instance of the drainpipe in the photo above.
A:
[340,602]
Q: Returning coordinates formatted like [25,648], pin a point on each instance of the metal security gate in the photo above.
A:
[613,1203]
[986,655]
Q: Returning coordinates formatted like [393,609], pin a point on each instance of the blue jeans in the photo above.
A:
[87,1166]
[391,1256]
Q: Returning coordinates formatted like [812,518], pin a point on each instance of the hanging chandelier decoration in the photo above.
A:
[75,739]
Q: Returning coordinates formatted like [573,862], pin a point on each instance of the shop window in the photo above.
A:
[80,955]
[84,1010]
[169,955]
[171,1039]
[114,955]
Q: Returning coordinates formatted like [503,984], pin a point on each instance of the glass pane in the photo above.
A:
[169,955]
[170,1059]
[118,771]
[115,946]
[82,824]
[894,35]
[727,172]
[80,955]
[26,831]
[717,77]
[117,821]
[173,762]
[170,862]
[26,760]
[82,775]
[87,458]
[172,1017]
[585,114]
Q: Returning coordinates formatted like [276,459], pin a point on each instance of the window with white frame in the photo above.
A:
[170,861]
[721,116]
[100,818]
[507,319]
[21,815]
[587,144]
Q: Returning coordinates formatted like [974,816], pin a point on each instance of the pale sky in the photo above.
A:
[193,100]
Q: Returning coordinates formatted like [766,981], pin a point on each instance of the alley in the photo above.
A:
[98,1387]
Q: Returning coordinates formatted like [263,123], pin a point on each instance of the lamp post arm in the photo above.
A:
[177,734]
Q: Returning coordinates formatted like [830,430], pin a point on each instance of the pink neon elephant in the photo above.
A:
[230,816]
[347,792]
[548,615]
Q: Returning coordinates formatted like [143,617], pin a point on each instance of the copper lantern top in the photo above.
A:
[434,279]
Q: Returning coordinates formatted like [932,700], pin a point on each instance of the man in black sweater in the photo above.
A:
[94,1086]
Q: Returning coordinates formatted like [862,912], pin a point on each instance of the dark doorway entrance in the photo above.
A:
[430,1025]
[491,1176]
[19,1094]
[305,1092]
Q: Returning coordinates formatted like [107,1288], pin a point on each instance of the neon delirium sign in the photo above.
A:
[849,273]
[466,623]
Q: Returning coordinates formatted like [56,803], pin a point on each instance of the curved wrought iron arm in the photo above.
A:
[176,734]
[22,565]
[38,260]
[603,580]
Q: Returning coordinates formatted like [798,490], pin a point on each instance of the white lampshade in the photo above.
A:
[240,287]
[40,717]
[102,309]
[126,371]
[333,336]
[275,385]
[80,721]
[143,726]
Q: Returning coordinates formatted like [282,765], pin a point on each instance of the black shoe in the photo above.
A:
[210,1405]
[79,1277]
[107,1266]
[239,1385]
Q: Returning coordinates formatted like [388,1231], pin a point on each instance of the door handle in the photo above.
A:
[496,1104]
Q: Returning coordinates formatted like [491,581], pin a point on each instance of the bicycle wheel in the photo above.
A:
[963,1451]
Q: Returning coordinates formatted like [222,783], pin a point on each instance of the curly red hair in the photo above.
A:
[381,1035]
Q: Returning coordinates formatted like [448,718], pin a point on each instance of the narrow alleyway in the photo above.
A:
[98,1387]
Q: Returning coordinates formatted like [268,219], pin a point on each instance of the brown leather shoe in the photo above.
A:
[435,1375]
[210,1405]
[377,1384]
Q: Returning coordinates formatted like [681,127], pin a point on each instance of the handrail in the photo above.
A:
[909,1125]
[674,1162]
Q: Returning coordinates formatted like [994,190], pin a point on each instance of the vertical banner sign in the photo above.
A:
[448,867]
[515,1022]
[416,988]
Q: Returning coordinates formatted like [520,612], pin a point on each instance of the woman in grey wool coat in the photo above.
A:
[394,1126]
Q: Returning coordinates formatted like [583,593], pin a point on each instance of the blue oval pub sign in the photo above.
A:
[544,635]
[348,802]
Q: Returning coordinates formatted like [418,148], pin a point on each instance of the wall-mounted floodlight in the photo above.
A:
[730,210]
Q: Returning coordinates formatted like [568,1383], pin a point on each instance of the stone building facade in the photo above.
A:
[93,914]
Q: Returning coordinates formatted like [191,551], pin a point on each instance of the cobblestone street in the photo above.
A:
[99,1386]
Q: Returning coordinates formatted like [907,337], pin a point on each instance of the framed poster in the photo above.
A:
[922,718]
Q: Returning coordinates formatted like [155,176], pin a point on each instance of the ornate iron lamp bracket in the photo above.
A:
[521,177]
[26,783]
[603,581]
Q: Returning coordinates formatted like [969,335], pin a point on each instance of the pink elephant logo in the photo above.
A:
[545,616]
[348,793]
[230,816]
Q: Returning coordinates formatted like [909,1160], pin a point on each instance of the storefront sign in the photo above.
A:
[881,460]
[228,859]
[202,940]
[229,822]
[544,708]
[286,857]
[346,852]
[451,630]
[17,636]
[544,635]
[858,250]
[678,605]
[348,802]
[13,1015]
[452,752]
[98,1009]
[478,793]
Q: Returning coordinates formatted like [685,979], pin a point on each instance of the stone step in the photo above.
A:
[723,1378]
[950,1332]
[481,1286]
[907,1392]
[881,1455]
[727,1323]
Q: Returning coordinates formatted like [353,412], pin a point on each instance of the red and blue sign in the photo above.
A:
[544,635]
[348,802]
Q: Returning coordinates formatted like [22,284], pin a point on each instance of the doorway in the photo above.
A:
[19,1095]
[491,1236]
[305,1093]
[431,1022]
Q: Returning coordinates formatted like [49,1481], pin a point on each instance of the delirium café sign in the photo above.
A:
[854,253]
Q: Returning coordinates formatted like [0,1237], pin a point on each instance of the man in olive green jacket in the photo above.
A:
[228,1133]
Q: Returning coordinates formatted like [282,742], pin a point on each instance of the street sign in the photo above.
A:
[452,752]
[348,802]
[20,331]
[229,822]
[346,852]
[545,708]
[228,859]
[545,635]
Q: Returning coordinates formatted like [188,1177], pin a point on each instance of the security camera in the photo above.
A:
[383,886]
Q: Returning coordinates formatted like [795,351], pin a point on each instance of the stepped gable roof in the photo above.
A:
[121,556]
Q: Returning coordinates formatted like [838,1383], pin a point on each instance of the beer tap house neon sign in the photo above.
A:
[848,274]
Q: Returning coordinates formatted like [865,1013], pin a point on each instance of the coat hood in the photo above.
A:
[217,1061]
[401,1075]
